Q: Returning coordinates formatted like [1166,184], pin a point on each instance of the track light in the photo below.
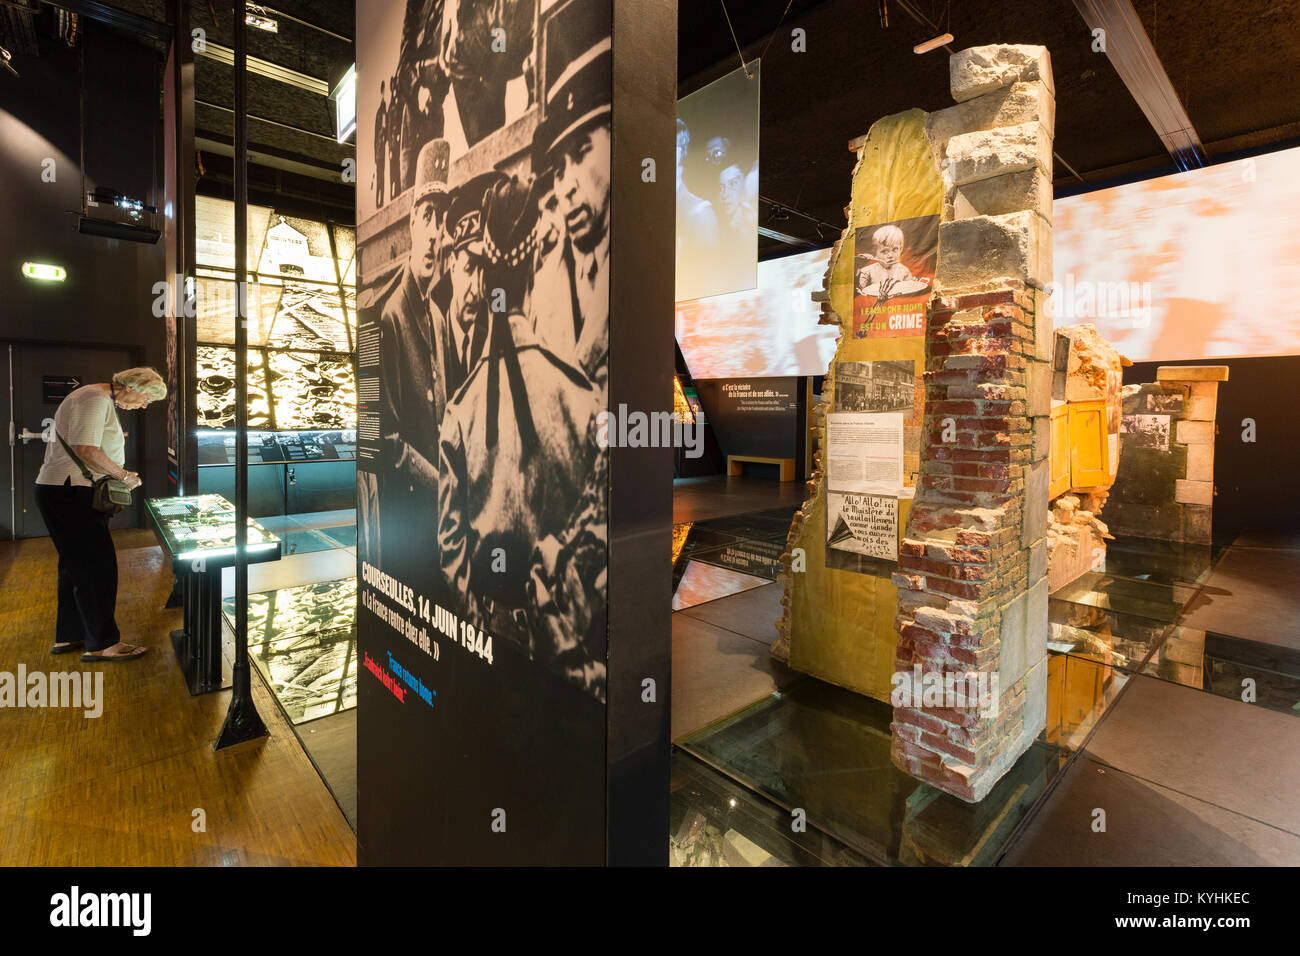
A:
[934,44]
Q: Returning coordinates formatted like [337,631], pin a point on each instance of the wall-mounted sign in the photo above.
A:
[55,388]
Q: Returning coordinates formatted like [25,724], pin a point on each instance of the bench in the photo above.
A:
[735,466]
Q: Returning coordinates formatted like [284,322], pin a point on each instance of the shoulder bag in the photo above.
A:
[107,495]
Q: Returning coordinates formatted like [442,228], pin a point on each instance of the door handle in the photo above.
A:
[29,435]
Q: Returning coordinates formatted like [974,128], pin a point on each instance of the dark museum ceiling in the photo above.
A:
[1235,65]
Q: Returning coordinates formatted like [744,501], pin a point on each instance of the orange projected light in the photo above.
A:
[1201,264]
[769,330]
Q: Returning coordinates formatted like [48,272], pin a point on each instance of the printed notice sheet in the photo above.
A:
[864,451]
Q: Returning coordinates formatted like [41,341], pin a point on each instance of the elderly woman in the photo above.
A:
[87,421]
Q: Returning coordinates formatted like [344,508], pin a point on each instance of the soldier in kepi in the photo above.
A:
[407,420]
[569,565]
[571,301]
[516,443]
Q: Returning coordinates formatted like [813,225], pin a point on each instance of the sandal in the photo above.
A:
[139,651]
[67,647]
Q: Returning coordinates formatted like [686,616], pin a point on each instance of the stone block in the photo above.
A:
[1200,409]
[1036,700]
[1037,560]
[1192,373]
[1013,660]
[1200,462]
[1044,333]
[1034,525]
[1042,447]
[1195,433]
[1198,523]
[1030,102]
[983,69]
[999,195]
[985,154]
[1194,492]
[1036,626]
[1039,378]
[1201,389]
[989,250]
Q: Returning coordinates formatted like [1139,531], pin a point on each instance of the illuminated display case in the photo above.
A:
[203,526]
[278,447]
[301,307]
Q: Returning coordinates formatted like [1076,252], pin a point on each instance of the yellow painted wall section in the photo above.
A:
[842,622]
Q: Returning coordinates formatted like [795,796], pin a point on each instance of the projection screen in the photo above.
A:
[1201,264]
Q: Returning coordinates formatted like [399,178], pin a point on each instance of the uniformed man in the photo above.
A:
[517,442]
[423,80]
[570,312]
[458,304]
[485,44]
[408,421]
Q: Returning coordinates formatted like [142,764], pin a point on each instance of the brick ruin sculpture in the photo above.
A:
[967,596]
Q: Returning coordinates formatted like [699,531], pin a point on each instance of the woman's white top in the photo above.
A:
[86,417]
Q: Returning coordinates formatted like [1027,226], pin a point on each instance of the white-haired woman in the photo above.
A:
[87,420]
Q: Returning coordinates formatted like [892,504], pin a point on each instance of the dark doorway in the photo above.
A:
[37,378]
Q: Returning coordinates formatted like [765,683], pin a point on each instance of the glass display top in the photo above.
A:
[204,526]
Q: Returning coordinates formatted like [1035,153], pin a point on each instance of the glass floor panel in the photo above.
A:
[304,542]
[770,525]
[1109,637]
[1264,675]
[1161,562]
[715,822]
[303,641]
[1140,598]
[700,583]
[824,750]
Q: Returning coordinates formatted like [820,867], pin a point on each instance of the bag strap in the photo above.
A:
[85,472]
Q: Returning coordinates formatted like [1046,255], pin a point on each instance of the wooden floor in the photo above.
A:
[121,790]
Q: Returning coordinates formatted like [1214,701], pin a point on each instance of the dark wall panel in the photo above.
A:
[107,297]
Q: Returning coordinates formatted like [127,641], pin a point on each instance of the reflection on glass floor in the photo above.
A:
[1264,675]
[714,822]
[824,750]
[303,641]
[750,544]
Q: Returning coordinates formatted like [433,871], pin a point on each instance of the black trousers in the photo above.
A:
[87,566]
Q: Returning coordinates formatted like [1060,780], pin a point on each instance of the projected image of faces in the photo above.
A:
[717,187]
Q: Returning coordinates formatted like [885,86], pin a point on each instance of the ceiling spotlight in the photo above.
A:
[934,44]
[259,17]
